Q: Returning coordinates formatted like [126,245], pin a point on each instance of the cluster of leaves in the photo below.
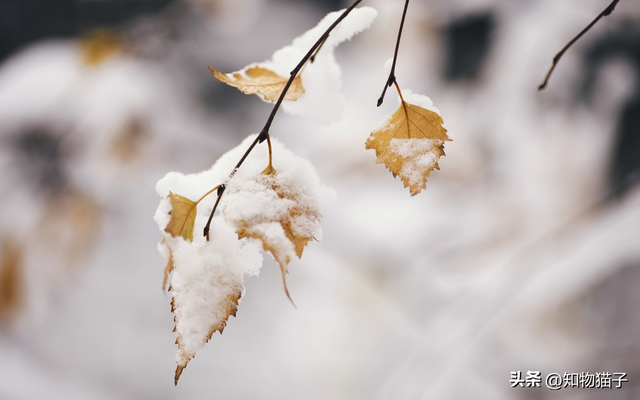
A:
[277,207]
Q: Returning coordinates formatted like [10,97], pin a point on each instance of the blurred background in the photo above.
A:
[523,254]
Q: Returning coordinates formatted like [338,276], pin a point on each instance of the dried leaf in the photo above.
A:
[100,45]
[183,217]
[10,279]
[284,234]
[230,306]
[168,269]
[410,144]
[206,287]
[70,225]
[129,141]
[261,80]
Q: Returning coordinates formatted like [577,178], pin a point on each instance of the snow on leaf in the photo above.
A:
[183,216]
[285,227]
[168,269]
[411,141]
[322,80]
[206,286]
[207,277]
[281,209]
[255,79]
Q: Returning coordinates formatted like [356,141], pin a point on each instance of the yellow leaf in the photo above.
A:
[263,81]
[168,269]
[76,214]
[100,45]
[202,307]
[183,216]
[10,279]
[410,144]
[280,234]
[230,308]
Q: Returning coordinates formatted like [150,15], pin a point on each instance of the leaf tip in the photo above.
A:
[177,375]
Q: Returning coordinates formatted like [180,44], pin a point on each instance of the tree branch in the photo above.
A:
[392,74]
[264,133]
[606,12]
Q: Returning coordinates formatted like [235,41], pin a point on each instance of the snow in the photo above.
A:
[419,100]
[322,79]
[499,264]
[207,273]
[418,157]
[203,279]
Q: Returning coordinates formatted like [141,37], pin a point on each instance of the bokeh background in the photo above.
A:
[523,254]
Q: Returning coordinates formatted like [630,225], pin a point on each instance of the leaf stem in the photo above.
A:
[264,133]
[270,167]
[606,12]
[392,74]
[206,194]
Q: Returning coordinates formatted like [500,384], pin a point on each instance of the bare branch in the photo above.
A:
[264,133]
[392,74]
[604,13]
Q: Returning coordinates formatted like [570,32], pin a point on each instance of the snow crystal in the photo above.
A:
[417,157]
[321,79]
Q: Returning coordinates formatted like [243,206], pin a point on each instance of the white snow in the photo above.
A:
[417,157]
[322,79]
[203,279]
[207,272]
[419,100]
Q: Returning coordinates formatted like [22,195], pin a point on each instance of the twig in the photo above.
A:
[392,74]
[604,13]
[264,133]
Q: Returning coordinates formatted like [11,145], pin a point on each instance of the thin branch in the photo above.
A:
[606,12]
[392,73]
[264,133]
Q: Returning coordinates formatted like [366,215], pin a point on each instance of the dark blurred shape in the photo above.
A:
[25,21]
[93,14]
[468,41]
[620,42]
[41,158]
[326,5]
[625,162]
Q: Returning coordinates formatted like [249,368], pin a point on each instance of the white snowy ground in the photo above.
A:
[437,296]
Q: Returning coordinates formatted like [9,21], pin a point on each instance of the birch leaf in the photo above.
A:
[183,216]
[206,285]
[284,227]
[410,142]
[263,81]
